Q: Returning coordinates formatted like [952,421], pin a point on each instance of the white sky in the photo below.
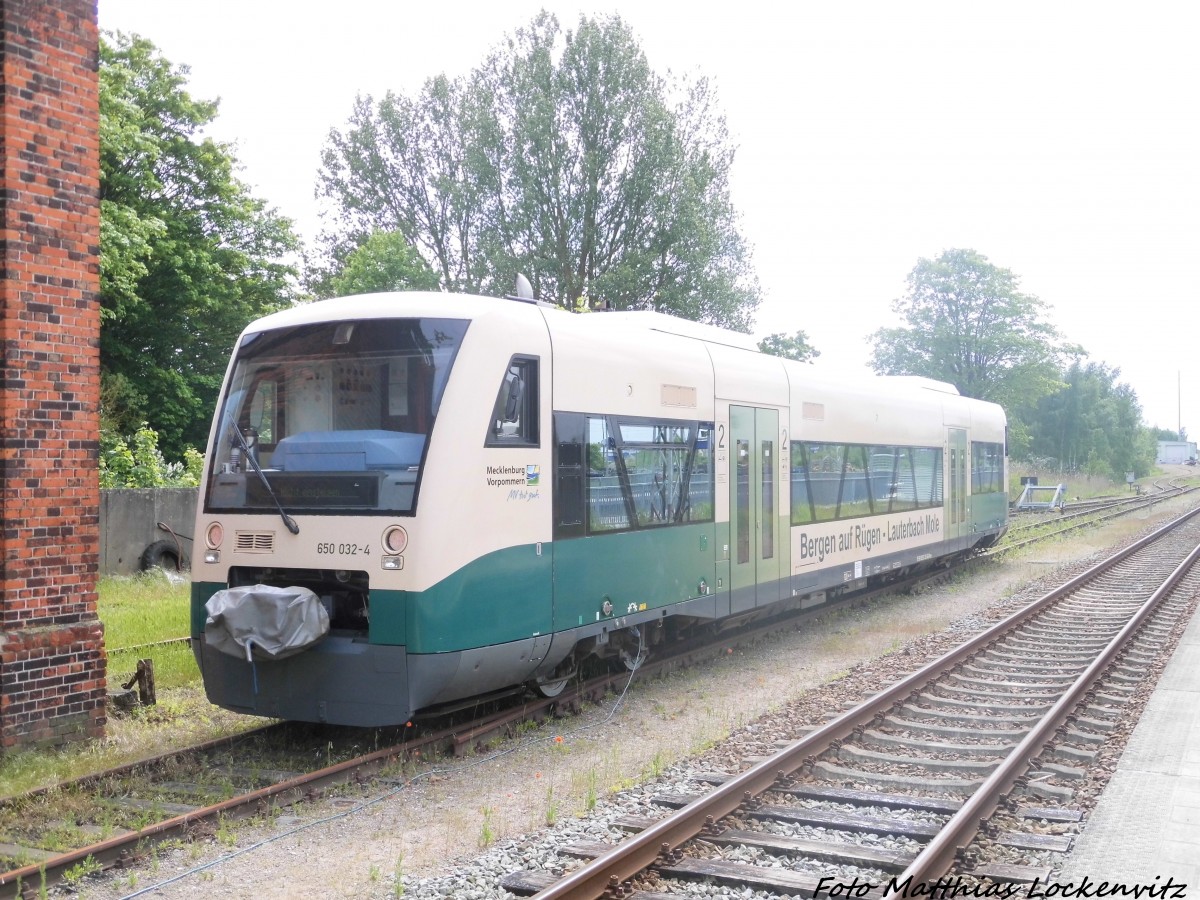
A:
[1061,140]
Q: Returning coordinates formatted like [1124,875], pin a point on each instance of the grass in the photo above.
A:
[487,828]
[142,610]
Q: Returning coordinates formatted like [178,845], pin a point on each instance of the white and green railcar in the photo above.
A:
[412,499]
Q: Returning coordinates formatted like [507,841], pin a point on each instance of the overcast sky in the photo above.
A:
[1060,140]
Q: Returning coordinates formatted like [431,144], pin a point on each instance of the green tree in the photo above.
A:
[187,255]
[562,156]
[1169,434]
[967,322]
[1093,424]
[794,346]
[384,262]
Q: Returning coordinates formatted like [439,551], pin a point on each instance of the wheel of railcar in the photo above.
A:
[550,689]
[555,683]
[634,653]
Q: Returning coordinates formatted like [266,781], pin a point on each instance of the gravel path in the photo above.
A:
[446,830]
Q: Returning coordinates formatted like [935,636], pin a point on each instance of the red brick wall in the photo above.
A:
[52,662]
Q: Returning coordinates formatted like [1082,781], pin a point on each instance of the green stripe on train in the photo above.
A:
[514,593]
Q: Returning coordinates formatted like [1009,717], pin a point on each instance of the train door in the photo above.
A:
[755,541]
[957,483]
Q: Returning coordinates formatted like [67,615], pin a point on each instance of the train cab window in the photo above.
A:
[515,415]
[337,416]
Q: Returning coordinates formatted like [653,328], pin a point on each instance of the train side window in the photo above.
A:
[515,415]
[826,463]
[802,512]
[885,484]
[608,503]
[927,476]
[857,497]
[987,468]
[569,475]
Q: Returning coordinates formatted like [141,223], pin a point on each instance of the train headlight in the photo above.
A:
[393,563]
[395,540]
[213,535]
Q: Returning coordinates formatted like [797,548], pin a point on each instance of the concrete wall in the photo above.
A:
[128,524]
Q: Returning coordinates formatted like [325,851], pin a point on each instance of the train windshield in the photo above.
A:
[333,417]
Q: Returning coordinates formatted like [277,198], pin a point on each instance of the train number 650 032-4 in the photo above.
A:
[343,549]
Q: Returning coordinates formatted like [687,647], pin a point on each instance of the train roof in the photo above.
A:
[429,303]
[908,382]
[378,306]
[471,306]
[668,324]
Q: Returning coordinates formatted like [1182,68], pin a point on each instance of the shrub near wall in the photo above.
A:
[136,462]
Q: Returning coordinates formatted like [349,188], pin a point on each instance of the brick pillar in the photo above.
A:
[52,662]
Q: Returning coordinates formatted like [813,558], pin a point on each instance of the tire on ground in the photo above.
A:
[162,555]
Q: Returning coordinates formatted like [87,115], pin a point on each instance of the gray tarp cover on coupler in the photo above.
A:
[270,622]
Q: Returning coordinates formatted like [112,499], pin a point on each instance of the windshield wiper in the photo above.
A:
[262,476]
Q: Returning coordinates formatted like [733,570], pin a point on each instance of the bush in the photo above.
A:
[136,462]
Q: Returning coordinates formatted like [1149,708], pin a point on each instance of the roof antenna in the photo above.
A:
[522,290]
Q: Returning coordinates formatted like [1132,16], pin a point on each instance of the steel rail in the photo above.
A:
[1143,503]
[637,853]
[117,850]
[937,857]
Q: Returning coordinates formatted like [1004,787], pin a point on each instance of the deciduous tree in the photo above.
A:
[1093,424]
[794,346]
[187,255]
[968,323]
[562,156]
[385,262]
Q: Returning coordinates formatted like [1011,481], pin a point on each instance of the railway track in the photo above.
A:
[116,815]
[1034,527]
[993,735]
[167,797]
